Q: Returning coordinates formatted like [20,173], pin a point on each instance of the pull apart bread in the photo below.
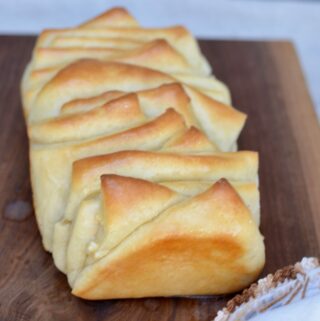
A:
[137,183]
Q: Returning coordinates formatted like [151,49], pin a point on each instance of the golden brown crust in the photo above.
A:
[129,202]
[115,17]
[240,166]
[153,134]
[193,139]
[84,104]
[123,193]
[114,116]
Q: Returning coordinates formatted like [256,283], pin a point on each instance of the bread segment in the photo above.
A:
[178,37]
[73,82]
[187,248]
[219,122]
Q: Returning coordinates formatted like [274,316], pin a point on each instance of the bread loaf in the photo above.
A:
[138,187]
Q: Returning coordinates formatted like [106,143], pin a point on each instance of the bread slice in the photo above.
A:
[55,89]
[240,167]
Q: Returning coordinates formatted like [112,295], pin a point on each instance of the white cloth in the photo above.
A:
[306,310]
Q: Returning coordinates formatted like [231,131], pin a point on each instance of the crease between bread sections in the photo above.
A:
[138,187]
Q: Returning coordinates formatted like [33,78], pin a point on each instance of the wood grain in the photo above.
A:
[267,83]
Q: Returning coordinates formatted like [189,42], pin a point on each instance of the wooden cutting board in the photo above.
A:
[266,82]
